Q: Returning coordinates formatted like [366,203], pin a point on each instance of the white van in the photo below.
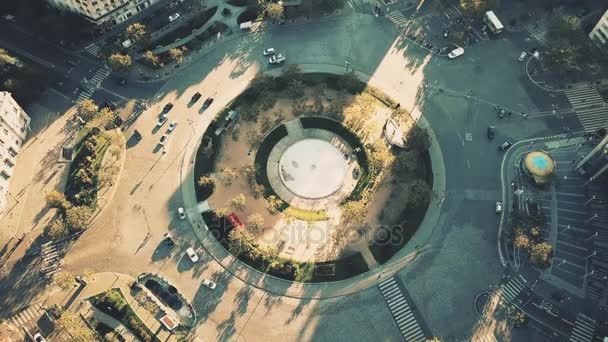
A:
[246,25]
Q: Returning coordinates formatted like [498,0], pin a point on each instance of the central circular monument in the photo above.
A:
[312,168]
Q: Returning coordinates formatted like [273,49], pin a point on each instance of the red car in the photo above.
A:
[235,222]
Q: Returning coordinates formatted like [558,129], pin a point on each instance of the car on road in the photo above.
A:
[161,120]
[181,213]
[191,254]
[456,52]
[38,338]
[171,126]
[268,52]
[491,132]
[277,59]
[207,102]
[378,11]
[522,56]
[446,33]
[173,17]
[498,207]
[195,97]
[163,140]
[167,107]
[210,284]
[505,145]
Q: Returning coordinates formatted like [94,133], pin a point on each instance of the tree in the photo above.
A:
[291,72]
[55,199]
[74,326]
[228,176]
[222,212]
[120,61]
[341,236]
[274,204]
[295,89]
[65,280]
[353,212]
[476,8]
[419,193]
[77,218]
[102,118]
[87,109]
[177,55]
[401,115]
[539,254]
[405,164]
[238,202]
[276,11]
[7,60]
[351,83]
[206,181]
[418,139]
[136,32]
[107,175]
[255,223]
[521,241]
[151,58]
[239,241]
[380,156]
[57,229]
[357,115]
[115,299]
[254,138]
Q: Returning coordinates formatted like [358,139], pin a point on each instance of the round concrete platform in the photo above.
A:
[312,168]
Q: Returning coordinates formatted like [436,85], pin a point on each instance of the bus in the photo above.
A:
[491,20]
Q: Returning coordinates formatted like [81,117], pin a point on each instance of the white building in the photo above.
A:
[14,125]
[103,11]
[599,33]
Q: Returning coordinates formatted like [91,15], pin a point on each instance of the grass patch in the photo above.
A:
[307,215]
[113,303]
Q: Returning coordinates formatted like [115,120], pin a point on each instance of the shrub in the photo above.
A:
[55,199]
[77,218]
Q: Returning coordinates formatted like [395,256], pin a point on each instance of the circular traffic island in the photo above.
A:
[299,183]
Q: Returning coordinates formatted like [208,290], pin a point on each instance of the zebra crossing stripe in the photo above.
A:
[402,314]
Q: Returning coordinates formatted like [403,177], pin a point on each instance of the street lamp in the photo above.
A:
[592,236]
[591,199]
[592,254]
[592,217]
[561,263]
[588,274]
[567,227]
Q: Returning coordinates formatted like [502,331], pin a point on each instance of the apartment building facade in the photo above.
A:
[109,12]
[599,34]
[14,126]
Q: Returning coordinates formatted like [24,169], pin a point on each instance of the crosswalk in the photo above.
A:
[93,49]
[511,289]
[539,30]
[402,314]
[584,329]
[591,109]
[24,317]
[366,5]
[398,19]
[452,13]
[94,83]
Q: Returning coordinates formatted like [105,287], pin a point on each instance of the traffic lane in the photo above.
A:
[572,275]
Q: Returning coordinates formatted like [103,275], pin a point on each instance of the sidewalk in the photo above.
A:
[416,245]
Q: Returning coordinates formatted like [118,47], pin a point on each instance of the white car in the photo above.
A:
[498,207]
[456,52]
[209,284]
[171,126]
[161,121]
[38,338]
[522,56]
[191,254]
[181,213]
[269,51]
[163,140]
[173,17]
[277,59]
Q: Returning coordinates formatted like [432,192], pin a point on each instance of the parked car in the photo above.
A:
[181,213]
[207,102]
[268,52]
[522,56]
[171,126]
[456,52]
[163,140]
[38,338]
[277,59]
[209,284]
[505,145]
[161,120]
[122,81]
[191,254]
[446,33]
[491,132]
[195,97]
[498,207]
[169,239]
[167,107]
[173,17]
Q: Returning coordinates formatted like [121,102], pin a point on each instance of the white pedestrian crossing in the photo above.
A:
[511,289]
[400,309]
[539,30]
[398,19]
[94,83]
[93,49]
[23,318]
[590,108]
[584,329]
[452,13]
